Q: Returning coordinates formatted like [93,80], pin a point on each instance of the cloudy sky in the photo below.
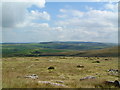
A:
[59,21]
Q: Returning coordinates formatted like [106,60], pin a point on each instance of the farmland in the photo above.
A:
[55,49]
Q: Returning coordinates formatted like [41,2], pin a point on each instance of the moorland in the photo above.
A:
[59,64]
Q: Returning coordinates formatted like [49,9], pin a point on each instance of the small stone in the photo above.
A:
[51,67]
[80,66]
[33,76]
[88,77]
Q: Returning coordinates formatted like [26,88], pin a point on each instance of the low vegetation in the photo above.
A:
[66,71]
[59,65]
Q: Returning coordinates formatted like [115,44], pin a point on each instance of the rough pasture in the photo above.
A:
[65,72]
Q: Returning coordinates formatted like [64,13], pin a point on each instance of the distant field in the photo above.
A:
[56,49]
[65,71]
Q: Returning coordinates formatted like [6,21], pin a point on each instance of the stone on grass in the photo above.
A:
[88,77]
[113,72]
[51,83]
[51,67]
[115,83]
[80,66]
[33,76]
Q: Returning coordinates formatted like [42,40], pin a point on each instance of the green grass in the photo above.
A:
[47,49]
[65,70]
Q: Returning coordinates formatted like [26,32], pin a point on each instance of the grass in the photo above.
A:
[15,68]
[58,49]
[50,49]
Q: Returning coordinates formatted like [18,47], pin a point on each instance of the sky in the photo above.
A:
[60,21]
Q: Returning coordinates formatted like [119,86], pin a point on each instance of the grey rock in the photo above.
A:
[51,67]
[48,82]
[33,76]
[88,77]
[115,83]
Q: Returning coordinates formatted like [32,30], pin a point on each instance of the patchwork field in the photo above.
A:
[66,72]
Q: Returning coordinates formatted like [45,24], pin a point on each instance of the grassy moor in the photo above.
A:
[55,65]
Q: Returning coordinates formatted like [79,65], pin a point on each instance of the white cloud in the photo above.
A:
[70,13]
[14,13]
[30,24]
[57,28]
[92,18]
[112,6]
[39,3]
[36,15]
[93,25]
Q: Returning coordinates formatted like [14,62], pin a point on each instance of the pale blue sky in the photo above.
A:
[60,21]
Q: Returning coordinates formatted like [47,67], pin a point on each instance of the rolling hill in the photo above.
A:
[58,49]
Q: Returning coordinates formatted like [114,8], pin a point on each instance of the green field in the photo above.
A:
[53,49]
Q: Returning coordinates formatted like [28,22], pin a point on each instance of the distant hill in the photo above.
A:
[77,45]
[58,49]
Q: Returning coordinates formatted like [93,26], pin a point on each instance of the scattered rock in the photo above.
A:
[109,82]
[96,62]
[88,77]
[33,76]
[113,72]
[48,82]
[80,66]
[115,83]
[51,67]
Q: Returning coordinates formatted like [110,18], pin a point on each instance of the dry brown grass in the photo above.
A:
[14,70]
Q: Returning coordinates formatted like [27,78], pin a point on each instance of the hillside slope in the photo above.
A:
[101,52]
[106,52]
[58,49]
